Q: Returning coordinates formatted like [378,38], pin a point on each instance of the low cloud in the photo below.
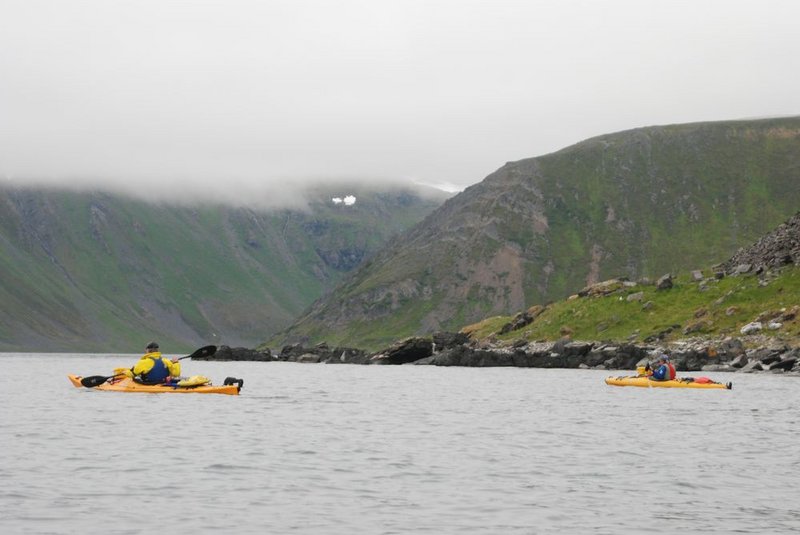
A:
[253,102]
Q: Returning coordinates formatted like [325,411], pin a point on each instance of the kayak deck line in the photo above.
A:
[126,384]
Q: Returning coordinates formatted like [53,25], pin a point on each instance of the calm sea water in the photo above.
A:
[313,448]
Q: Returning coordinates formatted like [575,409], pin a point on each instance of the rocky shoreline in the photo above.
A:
[742,355]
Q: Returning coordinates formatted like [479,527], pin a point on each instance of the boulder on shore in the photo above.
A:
[405,351]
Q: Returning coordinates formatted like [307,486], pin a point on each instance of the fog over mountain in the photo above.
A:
[250,102]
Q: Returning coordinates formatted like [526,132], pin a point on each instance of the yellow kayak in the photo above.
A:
[686,382]
[126,384]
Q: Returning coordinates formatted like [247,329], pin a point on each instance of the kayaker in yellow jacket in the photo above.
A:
[152,368]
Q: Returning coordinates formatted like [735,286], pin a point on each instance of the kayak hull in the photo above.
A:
[126,384]
[646,382]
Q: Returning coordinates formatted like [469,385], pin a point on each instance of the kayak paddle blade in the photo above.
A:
[206,351]
[95,380]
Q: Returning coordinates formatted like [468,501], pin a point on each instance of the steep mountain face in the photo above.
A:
[636,203]
[97,272]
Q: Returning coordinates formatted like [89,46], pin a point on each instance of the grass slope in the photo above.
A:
[97,272]
[715,308]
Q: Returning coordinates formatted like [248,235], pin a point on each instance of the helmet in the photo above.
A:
[152,345]
[663,357]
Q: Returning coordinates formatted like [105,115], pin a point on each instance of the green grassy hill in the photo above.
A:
[98,272]
[710,308]
[637,203]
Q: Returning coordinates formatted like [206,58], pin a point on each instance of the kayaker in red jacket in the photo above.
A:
[152,368]
[665,371]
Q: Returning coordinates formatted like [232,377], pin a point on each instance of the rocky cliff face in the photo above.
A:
[636,203]
[778,248]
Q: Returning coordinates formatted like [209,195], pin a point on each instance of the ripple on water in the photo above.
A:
[408,449]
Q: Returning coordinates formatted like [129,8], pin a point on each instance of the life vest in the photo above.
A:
[158,373]
[661,373]
[671,371]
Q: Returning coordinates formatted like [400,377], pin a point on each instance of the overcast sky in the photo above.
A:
[213,97]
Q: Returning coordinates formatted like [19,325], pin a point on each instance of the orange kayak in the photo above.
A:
[125,384]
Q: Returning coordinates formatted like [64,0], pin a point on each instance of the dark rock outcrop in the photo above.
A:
[453,349]
[765,356]
[739,362]
[405,351]
[542,355]
[522,319]
[664,283]
[239,353]
[323,353]
[778,248]
[785,364]
[448,340]
[519,321]
[726,355]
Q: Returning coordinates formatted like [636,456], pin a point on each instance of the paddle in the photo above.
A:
[96,380]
